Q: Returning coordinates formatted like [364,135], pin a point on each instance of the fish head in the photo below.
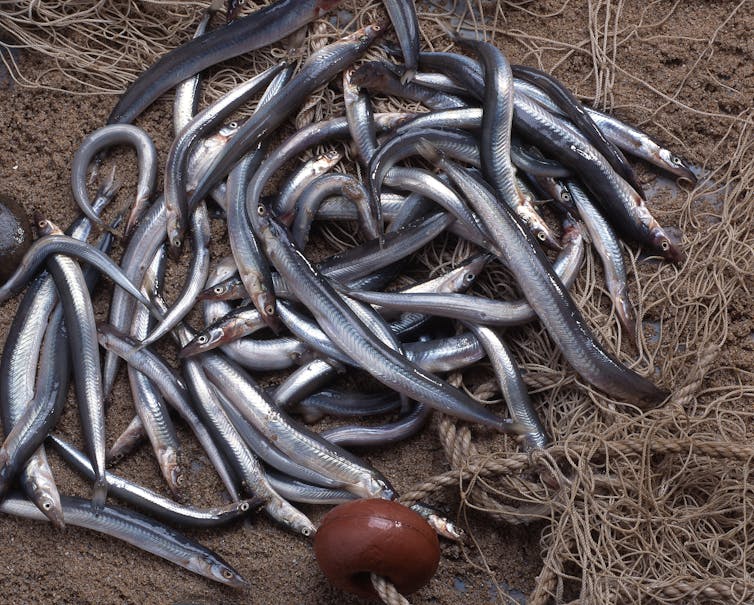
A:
[392,120]
[560,193]
[384,489]
[233,9]
[212,566]
[571,230]
[667,246]
[374,485]
[366,35]
[207,339]
[52,510]
[171,470]
[266,304]
[373,74]
[175,239]
[303,527]
[227,132]
[217,292]
[45,226]
[355,192]
[328,159]
[250,505]
[271,230]
[465,275]
[544,236]
[677,166]
[290,517]
[44,493]
[350,90]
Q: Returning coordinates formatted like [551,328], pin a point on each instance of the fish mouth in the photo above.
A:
[194,348]
[678,166]
[266,306]
[667,245]
[53,513]
[626,315]
[172,470]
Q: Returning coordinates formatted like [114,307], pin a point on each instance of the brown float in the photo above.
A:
[383,537]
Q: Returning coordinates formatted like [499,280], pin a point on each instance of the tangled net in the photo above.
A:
[651,506]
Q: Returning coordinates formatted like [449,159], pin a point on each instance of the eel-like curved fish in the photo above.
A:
[547,295]
[163,508]
[402,15]
[319,69]
[104,138]
[139,531]
[496,137]
[261,28]
[349,333]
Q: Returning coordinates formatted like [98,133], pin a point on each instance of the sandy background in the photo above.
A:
[689,51]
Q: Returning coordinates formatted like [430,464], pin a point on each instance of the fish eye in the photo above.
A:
[541,236]
[244,506]
[227,574]
[179,480]
[306,531]
[202,339]
[566,197]
[47,506]
[269,310]
[470,277]
[261,210]
[233,125]
[218,290]
[665,245]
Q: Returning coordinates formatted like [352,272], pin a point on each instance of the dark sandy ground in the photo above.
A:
[39,133]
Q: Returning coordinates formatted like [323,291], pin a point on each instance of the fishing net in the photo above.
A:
[631,506]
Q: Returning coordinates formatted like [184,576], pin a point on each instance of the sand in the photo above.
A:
[696,56]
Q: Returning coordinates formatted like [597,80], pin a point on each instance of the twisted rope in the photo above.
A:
[469,466]
[388,593]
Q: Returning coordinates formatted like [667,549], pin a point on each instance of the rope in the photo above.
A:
[469,466]
[687,393]
[518,463]
[711,588]
[388,593]
[546,583]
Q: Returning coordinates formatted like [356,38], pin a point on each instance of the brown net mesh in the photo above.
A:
[651,506]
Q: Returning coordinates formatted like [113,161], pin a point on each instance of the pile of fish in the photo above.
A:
[497,141]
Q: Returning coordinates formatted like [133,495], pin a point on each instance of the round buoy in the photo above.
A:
[383,537]
[15,236]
